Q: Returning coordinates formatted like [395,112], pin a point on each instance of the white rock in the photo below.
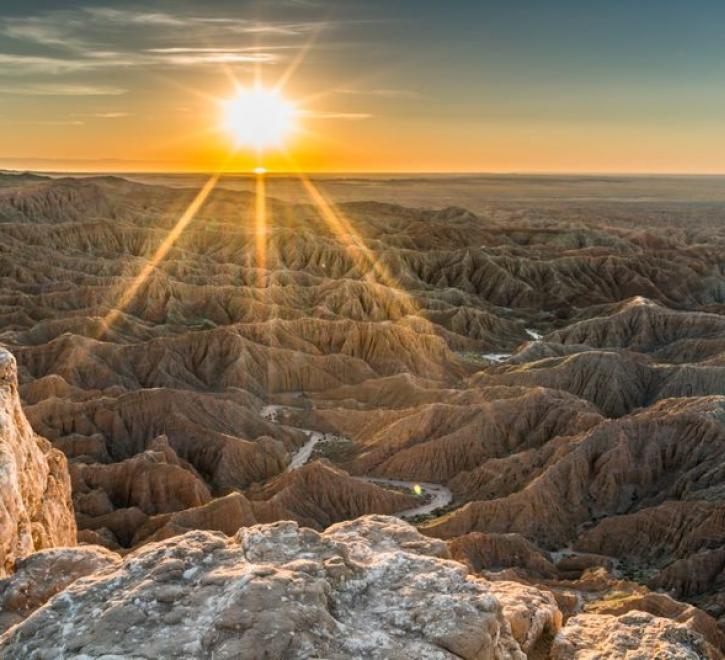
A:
[371,588]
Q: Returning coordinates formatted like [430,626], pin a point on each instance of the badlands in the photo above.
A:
[397,428]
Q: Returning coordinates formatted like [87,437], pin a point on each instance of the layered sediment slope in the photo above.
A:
[543,388]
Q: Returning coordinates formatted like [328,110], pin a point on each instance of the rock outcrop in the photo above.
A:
[368,588]
[38,577]
[35,494]
[373,587]
[635,635]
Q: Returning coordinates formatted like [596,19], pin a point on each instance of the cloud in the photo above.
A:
[185,49]
[108,115]
[11,64]
[60,89]
[126,17]
[219,57]
[36,31]
[93,38]
[250,50]
[53,122]
[389,93]
[78,29]
[350,116]
[114,16]
[302,3]
[17,65]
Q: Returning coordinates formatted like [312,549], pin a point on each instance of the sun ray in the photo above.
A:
[299,58]
[186,217]
[188,137]
[260,227]
[364,258]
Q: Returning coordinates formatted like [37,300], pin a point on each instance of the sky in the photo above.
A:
[380,85]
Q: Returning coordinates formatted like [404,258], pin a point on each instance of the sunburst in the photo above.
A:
[259,118]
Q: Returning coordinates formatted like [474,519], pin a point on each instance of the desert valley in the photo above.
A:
[477,417]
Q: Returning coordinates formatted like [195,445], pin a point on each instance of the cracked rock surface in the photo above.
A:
[372,587]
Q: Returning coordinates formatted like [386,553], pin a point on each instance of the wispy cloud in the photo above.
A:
[17,65]
[61,89]
[52,122]
[37,31]
[107,115]
[93,38]
[11,64]
[130,17]
[350,116]
[220,57]
[114,16]
[83,28]
[389,93]
[174,50]
[302,3]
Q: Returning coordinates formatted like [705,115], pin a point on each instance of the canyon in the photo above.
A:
[391,428]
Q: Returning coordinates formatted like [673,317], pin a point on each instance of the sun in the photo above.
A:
[258,117]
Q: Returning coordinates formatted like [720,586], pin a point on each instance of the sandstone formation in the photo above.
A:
[607,471]
[502,551]
[155,481]
[318,495]
[35,506]
[617,383]
[643,326]
[439,441]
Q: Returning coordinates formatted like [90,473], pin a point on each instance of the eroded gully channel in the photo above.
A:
[437,496]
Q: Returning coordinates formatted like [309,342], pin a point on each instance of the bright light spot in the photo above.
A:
[260,170]
[417,489]
[258,117]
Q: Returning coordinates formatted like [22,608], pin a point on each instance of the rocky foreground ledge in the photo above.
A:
[369,588]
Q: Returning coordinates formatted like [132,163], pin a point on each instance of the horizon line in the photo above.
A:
[273,173]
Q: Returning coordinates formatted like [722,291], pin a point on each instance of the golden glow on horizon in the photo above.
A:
[258,117]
